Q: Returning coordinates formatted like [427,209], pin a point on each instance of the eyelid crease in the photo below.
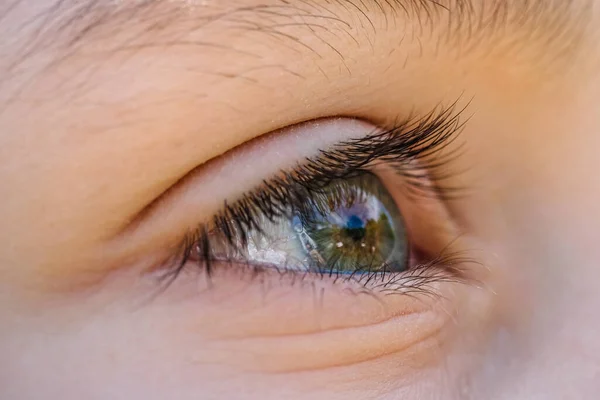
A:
[288,146]
[387,319]
[352,346]
[213,169]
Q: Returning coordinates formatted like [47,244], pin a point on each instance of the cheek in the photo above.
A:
[547,286]
[240,342]
[135,357]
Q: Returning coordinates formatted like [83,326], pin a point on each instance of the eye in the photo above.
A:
[348,227]
[334,216]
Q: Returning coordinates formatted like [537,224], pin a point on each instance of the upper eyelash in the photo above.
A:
[407,141]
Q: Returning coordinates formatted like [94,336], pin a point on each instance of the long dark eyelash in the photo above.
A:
[420,280]
[290,191]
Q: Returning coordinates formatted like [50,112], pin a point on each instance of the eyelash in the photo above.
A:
[409,141]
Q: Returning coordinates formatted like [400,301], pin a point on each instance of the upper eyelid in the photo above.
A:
[176,216]
[206,187]
[415,134]
[397,146]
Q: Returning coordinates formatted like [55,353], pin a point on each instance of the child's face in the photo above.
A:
[299,199]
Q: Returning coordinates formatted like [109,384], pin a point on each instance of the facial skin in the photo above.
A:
[125,124]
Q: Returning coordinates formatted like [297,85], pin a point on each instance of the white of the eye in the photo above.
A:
[265,254]
[285,243]
[279,246]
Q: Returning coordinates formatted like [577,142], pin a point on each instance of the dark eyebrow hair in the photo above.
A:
[67,27]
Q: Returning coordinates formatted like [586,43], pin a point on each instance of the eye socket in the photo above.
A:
[270,273]
[332,215]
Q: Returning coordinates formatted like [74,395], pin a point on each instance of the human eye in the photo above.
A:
[349,226]
[338,216]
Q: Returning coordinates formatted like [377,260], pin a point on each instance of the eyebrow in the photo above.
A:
[69,25]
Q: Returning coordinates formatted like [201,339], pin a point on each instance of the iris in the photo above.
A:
[354,227]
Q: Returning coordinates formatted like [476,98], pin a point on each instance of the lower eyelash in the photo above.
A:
[422,279]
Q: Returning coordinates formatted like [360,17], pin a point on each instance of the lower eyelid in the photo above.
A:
[339,347]
[271,305]
[272,326]
[342,312]
[239,170]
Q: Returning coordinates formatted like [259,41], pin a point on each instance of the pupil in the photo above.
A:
[355,228]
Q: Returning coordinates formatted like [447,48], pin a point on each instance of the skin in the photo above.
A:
[113,116]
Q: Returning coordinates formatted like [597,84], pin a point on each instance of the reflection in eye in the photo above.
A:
[357,228]
[348,227]
[332,216]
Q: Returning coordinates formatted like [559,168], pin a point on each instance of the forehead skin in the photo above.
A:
[113,102]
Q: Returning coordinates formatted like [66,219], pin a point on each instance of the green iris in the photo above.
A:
[354,227]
